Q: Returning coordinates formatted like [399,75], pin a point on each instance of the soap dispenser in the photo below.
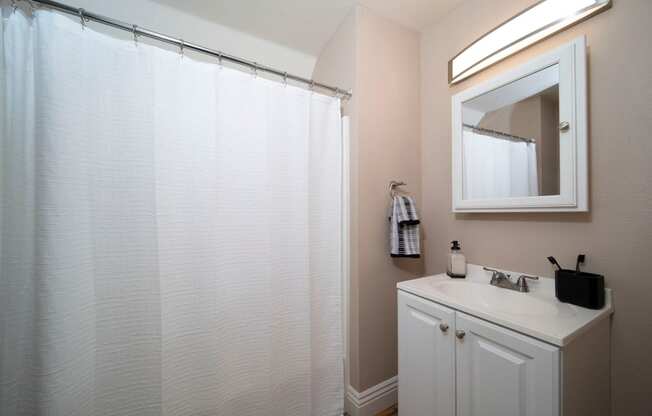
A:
[456,262]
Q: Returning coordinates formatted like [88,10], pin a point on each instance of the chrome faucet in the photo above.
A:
[502,279]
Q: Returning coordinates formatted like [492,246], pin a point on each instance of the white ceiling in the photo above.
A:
[306,25]
[416,14]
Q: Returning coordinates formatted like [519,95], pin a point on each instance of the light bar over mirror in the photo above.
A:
[534,24]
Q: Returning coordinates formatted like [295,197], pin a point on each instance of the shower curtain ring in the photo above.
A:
[82,17]
[182,44]
[312,85]
[219,59]
[285,79]
[255,68]
[135,30]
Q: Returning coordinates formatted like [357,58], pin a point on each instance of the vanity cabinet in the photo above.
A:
[426,357]
[454,364]
[500,372]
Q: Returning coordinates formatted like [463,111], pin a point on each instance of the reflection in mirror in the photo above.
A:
[510,139]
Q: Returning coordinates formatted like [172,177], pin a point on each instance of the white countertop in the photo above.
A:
[538,313]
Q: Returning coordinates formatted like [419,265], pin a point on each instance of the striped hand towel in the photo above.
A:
[404,222]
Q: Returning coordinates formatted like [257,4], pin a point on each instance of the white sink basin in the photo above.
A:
[497,299]
[537,313]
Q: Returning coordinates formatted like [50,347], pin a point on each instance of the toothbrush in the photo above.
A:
[554,262]
[580,260]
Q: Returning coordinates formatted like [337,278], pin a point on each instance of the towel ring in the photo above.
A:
[393,185]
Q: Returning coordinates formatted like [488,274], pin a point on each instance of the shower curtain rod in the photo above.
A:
[183,45]
[499,133]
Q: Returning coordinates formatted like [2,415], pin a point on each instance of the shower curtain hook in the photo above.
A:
[312,85]
[255,67]
[82,18]
[182,44]
[219,59]
[135,30]
[285,79]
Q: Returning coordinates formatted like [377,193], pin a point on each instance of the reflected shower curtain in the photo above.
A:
[498,167]
[170,233]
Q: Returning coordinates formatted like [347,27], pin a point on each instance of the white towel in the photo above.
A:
[404,239]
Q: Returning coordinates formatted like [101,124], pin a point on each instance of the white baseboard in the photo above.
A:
[373,400]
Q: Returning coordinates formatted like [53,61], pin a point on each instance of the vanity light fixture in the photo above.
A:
[532,25]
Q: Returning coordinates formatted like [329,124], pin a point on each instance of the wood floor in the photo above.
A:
[392,411]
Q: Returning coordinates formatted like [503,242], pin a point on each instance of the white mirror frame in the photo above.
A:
[573,146]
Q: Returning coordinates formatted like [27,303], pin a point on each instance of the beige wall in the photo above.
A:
[336,65]
[389,148]
[617,232]
[386,146]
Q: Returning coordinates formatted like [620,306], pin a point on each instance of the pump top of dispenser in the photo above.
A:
[456,245]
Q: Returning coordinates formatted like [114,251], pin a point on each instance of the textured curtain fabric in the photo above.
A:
[498,168]
[170,233]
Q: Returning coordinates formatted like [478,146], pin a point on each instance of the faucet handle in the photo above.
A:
[497,275]
[521,283]
[495,272]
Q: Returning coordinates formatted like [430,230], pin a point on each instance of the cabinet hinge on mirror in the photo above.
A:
[564,126]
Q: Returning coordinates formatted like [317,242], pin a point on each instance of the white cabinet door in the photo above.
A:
[426,357]
[503,373]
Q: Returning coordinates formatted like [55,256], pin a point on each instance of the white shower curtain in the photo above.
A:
[171,233]
[498,168]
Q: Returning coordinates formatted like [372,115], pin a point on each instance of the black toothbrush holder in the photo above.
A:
[577,287]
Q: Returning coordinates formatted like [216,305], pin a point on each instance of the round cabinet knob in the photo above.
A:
[443,327]
[460,334]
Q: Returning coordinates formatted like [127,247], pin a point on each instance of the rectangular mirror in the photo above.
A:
[519,141]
